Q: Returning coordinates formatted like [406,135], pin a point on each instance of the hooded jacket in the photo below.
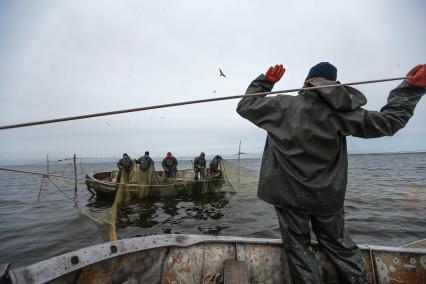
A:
[305,162]
[125,163]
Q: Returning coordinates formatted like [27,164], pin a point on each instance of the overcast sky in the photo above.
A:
[62,58]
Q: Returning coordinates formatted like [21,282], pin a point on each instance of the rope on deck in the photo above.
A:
[33,123]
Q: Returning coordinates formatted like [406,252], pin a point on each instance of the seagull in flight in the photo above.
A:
[221,73]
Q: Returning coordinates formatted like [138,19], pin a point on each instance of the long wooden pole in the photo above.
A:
[188,103]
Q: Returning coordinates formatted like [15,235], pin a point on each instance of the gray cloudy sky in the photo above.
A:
[61,58]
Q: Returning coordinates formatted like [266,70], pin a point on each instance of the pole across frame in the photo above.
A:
[85,116]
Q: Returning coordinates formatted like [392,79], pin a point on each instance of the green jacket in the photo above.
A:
[305,162]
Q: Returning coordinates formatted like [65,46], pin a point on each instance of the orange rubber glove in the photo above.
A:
[417,76]
[275,73]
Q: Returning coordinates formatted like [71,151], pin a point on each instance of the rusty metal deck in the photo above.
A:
[189,258]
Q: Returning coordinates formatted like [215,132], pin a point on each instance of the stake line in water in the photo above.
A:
[55,120]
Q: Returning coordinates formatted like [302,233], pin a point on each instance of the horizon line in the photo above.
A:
[29,161]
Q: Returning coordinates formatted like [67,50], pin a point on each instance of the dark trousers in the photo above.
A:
[199,174]
[334,241]
[125,174]
[170,172]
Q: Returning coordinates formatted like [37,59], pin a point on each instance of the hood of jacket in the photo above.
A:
[342,98]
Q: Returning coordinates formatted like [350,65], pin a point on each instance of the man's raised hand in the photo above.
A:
[417,76]
[275,73]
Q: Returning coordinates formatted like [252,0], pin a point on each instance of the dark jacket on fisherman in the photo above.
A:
[125,163]
[304,164]
[145,162]
[170,163]
[199,164]
[214,164]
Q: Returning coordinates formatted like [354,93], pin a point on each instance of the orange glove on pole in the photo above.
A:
[275,73]
[417,76]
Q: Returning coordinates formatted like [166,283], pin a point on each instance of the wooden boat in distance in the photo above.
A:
[104,185]
[192,258]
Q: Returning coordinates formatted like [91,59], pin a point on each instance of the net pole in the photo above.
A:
[75,173]
[78,117]
[47,164]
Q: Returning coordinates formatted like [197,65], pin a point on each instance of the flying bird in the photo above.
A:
[221,73]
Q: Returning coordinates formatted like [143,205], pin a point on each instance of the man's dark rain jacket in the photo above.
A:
[145,162]
[199,163]
[169,163]
[214,164]
[305,161]
[125,163]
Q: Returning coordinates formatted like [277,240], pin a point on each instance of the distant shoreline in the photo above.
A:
[388,153]
[29,162]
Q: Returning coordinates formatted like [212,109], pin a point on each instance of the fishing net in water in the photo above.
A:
[238,177]
[152,183]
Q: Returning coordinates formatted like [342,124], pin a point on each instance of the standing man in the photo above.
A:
[124,165]
[170,165]
[145,162]
[200,166]
[305,163]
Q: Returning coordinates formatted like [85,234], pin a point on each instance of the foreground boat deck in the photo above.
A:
[189,258]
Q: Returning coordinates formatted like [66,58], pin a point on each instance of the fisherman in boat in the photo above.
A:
[145,162]
[170,165]
[305,163]
[200,166]
[214,166]
[125,166]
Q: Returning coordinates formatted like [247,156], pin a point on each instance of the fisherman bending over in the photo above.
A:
[145,162]
[170,165]
[124,165]
[214,165]
[200,166]
[305,162]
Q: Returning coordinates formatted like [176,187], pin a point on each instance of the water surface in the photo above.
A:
[385,205]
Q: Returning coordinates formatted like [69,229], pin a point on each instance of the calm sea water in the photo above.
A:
[385,205]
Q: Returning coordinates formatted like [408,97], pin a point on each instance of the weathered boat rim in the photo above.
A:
[91,177]
[55,267]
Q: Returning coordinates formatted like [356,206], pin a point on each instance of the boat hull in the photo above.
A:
[103,185]
[189,258]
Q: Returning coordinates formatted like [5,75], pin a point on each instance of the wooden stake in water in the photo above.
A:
[47,164]
[75,173]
